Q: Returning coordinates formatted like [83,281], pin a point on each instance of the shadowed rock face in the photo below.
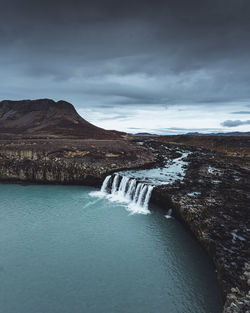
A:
[68,161]
[46,118]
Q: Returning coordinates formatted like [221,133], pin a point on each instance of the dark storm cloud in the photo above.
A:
[117,117]
[241,112]
[185,130]
[230,123]
[136,52]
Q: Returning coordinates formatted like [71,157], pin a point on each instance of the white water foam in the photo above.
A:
[172,171]
[169,215]
[126,190]
[105,183]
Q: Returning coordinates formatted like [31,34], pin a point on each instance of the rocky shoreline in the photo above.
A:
[212,200]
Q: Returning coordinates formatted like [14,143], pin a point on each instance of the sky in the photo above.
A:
[164,67]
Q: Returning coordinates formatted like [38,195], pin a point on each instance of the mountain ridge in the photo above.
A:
[46,118]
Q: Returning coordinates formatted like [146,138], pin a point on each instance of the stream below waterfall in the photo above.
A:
[64,251]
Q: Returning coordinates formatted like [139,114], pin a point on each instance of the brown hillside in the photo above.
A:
[45,118]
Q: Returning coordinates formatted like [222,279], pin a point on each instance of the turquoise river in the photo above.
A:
[64,250]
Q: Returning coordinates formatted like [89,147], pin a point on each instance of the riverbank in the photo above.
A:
[67,161]
[211,200]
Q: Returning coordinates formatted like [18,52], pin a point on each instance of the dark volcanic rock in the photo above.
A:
[234,145]
[46,118]
[213,201]
[68,161]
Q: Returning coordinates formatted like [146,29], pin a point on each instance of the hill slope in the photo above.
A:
[45,118]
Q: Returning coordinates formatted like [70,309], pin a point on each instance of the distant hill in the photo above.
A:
[45,118]
[221,134]
[145,135]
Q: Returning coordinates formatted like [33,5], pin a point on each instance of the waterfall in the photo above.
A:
[127,190]
[115,183]
[105,184]
[148,195]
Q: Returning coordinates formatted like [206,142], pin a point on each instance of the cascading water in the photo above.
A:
[134,187]
[127,190]
[105,183]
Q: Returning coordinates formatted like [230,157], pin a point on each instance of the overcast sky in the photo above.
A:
[170,66]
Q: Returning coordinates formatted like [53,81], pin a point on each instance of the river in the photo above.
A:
[63,250]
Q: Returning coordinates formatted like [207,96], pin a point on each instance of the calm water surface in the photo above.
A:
[63,251]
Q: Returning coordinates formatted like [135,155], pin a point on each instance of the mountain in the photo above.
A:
[45,118]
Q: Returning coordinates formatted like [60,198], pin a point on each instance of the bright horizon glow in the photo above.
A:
[162,120]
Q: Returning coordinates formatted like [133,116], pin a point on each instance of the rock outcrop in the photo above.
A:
[64,161]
